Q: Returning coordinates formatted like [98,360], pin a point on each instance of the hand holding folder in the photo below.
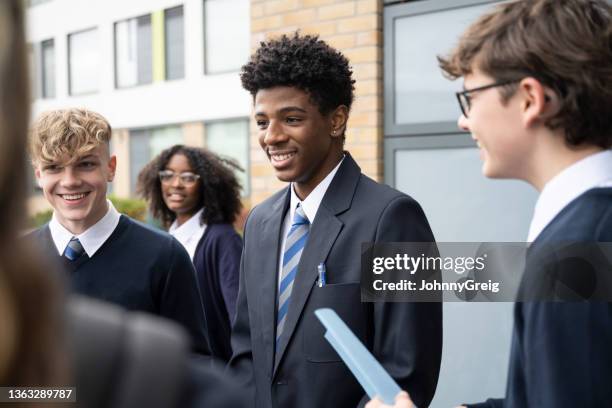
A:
[371,375]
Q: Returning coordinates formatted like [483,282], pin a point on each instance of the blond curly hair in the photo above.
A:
[67,133]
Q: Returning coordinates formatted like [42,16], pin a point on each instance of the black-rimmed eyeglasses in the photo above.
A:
[465,101]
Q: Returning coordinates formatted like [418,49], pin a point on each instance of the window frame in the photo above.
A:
[415,136]
[69,54]
[246,189]
[180,6]
[148,133]
[207,70]
[43,76]
[116,59]
[392,12]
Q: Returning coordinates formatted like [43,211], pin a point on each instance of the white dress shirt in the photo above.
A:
[310,205]
[591,172]
[92,238]
[189,233]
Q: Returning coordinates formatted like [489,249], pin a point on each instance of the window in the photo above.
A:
[419,136]
[230,138]
[175,43]
[133,52]
[417,81]
[145,144]
[227,35]
[32,182]
[31,52]
[429,158]
[41,58]
[47,62]
[83,62]
[37,2]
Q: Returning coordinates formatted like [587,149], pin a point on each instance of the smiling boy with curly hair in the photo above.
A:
[107,255]
[302,92]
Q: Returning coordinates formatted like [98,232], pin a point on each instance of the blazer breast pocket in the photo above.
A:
[345,300]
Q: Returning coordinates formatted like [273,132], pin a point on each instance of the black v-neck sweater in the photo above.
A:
[142,269]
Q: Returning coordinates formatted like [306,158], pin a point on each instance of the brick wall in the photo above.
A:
[354,27]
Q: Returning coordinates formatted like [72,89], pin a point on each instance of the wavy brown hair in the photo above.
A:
[564,44]
[31,339]
[219,187]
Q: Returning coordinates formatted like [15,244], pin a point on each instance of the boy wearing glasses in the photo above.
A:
[107,255]
[537,101]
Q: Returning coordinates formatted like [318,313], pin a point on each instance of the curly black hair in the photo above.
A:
[304,62]
[219,187]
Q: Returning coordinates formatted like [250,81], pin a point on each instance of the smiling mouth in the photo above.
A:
[74,197]
[175,197]
[281,157]
[475,139]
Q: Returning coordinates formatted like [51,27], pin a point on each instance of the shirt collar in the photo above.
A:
[313,201]
[592,171]
[92,238]
[189,228]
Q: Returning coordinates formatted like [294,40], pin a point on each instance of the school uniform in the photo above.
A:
[123,261]
[561,352]
[215,250]
[280,354]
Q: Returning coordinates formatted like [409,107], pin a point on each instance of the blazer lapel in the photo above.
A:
[322,235]
[268,249]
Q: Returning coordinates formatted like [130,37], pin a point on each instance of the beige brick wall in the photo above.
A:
[193,134]
[355,28]
[121,148]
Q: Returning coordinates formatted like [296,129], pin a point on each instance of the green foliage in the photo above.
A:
[131,207]
[40,218]
[134,208]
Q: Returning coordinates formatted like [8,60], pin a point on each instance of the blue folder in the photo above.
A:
[371,375]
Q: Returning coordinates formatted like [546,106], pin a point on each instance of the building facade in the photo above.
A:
[166,72]
[161,71]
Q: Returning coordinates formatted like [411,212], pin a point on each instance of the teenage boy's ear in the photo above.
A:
[37,174]
[538,102]
[112,167]
[338,117]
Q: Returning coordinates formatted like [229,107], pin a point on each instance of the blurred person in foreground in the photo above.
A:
[537,100]
[107,255]
[31,328]
[196,196]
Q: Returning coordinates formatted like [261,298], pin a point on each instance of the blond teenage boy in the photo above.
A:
[107,255]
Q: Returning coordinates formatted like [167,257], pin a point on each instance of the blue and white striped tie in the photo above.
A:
[296,241]
[74,249]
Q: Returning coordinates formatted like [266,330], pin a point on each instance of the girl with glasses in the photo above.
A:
[196,196]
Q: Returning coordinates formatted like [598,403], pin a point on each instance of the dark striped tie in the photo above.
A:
[296,241]
[74,249]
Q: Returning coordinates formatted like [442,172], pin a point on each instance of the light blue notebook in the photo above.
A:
[371,375]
